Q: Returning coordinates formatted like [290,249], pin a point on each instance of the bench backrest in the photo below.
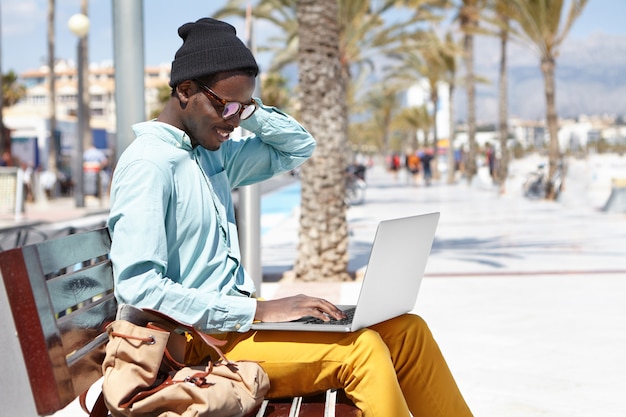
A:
[61,297]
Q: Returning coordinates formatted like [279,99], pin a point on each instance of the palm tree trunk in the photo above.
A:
[451,159]
[547,68]
[52,145]
[503,164]
[5,142]
[435,101]
[470,165]
[323,237]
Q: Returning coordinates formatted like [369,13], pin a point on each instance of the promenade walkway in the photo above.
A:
[526,298]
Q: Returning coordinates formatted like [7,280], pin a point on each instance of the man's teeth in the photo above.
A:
[223,133]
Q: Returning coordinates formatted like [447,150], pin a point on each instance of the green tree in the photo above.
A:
[501,8]
[414,120]
[364,33]
[164,92]
[275,91]
[357,30]
[498,20]
[433,59]
[12,90]
[545,28]
[376,112]
[449,55]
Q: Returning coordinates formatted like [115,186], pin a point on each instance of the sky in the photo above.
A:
[24,33]
[24,28]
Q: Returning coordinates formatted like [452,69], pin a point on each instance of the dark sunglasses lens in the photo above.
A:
[230,109]
[247,111]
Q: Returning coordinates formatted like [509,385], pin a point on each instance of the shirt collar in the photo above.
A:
[165,132]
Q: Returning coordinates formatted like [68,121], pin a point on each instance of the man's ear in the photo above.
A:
[184,90]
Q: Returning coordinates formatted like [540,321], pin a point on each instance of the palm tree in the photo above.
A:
[378,110]
[364,34]
[414,120]
[12,91]
[275,91]
[500,21]
[5,143]
[542,25]
[435,69]
[469,13]
[52,148]
[434,59]
[449,56]
[323,243]
[358,30]
[502,171]
[282,15]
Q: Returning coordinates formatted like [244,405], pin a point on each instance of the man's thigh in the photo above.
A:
[297,363]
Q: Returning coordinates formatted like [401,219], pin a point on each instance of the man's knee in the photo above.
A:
[405,330]
[400,332]
[369,342]
[411,322]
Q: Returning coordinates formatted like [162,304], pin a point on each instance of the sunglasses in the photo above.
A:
[231,108]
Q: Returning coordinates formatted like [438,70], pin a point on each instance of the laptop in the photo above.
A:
[391,282]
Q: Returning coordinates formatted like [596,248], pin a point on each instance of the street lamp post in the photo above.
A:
[79,25]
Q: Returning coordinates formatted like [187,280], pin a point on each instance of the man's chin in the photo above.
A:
[213,147]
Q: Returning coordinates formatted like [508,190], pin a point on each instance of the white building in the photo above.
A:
[30,116]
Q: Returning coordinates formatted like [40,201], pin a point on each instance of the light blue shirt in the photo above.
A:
[175,246]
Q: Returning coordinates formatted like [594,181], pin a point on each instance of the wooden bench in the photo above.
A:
[60,295]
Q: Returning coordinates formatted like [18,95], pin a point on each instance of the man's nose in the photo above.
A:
[233,121]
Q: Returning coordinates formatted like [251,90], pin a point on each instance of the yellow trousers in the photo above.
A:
[388,370]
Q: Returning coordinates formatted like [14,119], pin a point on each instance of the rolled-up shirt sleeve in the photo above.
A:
[278,143]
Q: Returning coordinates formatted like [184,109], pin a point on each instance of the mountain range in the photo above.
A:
[590,79]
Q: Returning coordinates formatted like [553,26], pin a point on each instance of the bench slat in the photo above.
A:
[87,367]
[69,250]
[68,291]
[79,328]
[332,403]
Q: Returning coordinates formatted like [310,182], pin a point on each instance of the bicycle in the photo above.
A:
[535,186]
[355,185]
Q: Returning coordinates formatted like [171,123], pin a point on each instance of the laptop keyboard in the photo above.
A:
[349,316]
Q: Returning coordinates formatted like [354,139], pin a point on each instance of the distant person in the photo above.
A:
[48,181]
[413,166]
[426,158]
[6,160]
[491,159]
[95,162]
[394,164]
[26,171]
[96,157]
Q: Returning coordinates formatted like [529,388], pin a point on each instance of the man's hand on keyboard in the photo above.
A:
[295,307]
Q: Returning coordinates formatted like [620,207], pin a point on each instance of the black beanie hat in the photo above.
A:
[209,46]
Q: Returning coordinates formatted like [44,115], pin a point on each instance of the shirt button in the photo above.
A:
[237,326]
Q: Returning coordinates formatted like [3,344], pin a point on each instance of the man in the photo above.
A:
[175,244]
